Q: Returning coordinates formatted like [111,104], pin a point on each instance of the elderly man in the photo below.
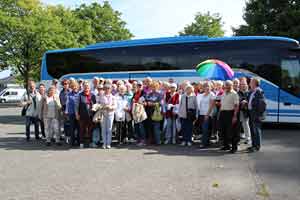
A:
[244,113]
[236,84]
[257,108]
[228,117]
[30,103]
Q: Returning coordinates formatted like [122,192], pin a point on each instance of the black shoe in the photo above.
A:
[28,139]
[37,138]
[204,146]
[251,149]
[233,151]
[58,143]
[48,144]
[225,148]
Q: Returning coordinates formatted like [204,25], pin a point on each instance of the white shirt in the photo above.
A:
[204,102]
[121,104]
[51,107]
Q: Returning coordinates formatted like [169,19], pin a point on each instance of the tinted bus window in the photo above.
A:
[291,76]
[259,57]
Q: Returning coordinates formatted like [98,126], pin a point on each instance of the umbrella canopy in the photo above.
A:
[215,70]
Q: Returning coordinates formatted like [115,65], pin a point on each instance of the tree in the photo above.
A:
[205,24]
[271,17]
[106,23]
[28,29]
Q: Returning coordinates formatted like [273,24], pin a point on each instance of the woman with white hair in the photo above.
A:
[205,107]
[109,103]
[188,113]
[122,116]
[50,113]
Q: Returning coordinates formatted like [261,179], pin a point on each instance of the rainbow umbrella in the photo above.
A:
[215,70]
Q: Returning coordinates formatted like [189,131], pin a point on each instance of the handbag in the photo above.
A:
[24,110]
[190,113]
[157,116]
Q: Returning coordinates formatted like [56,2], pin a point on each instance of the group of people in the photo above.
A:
[146,112]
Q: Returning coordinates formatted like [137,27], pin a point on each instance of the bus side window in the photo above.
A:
[290,76]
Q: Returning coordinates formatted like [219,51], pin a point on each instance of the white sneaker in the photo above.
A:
[189,144]
[174,142]
[131,140]
[81,146]
[183,144]
[68,140]
[108,146]
[103,147]
[166,142]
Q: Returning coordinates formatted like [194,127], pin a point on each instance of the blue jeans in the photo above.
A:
[140,131]
[29,121]
[96,133]
[156,130]
[106,129]
[187,130]
[171,129]
[205,132]
[255,127]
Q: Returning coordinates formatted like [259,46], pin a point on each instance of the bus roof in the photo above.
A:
[171,40]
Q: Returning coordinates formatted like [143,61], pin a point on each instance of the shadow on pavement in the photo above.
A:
[17,143]
[12,119]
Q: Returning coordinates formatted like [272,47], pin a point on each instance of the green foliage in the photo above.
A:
[107,24]
[271,17]
[205,24]
[28,29]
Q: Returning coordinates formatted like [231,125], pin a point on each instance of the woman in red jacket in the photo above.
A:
[171,102]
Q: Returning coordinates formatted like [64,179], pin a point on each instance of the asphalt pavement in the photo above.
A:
[32,171]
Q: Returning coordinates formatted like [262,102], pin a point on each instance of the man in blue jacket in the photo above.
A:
[257,108]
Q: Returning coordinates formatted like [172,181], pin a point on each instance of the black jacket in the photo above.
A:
[84,110]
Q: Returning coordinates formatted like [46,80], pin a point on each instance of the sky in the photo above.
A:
[164,18]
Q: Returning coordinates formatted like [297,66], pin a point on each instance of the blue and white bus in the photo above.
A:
[274,60]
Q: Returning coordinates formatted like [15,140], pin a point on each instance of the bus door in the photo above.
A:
[138,76]
[289,100]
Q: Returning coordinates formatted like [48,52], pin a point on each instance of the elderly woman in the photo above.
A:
[137,102]
[122,116]
[109,103]
[70,112]
[147,83]
[205,107]
[50,113]
[154,106]
[83,108]
[171,102]
[97,127]
[188,113]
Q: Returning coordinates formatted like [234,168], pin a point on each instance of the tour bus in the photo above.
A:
[274,60]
